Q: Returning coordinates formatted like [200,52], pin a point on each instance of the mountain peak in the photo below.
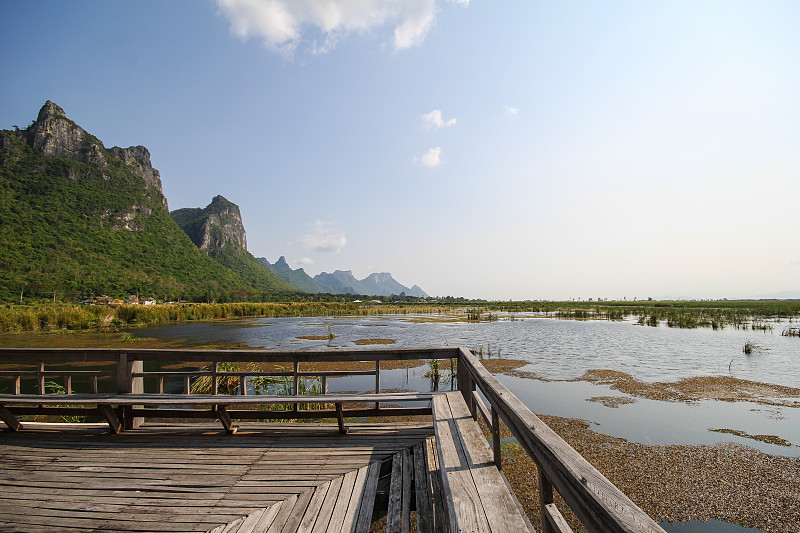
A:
[53,134]
[50,110]
[281,261]
[215,227]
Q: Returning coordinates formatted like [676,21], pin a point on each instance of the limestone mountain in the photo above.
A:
[80,219]
[340,282]
[214,228]
[296,278]
[376,284]
[219,232]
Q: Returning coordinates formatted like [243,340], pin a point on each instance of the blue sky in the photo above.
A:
[499,150]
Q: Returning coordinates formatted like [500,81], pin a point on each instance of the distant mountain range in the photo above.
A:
[341,281]
[78,219]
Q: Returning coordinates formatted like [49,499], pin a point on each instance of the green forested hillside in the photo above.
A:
[88,224]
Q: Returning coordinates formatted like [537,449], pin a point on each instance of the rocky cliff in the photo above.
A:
[54,135]
[217,230]
[214,228]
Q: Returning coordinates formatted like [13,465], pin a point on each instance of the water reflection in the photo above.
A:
[563,349]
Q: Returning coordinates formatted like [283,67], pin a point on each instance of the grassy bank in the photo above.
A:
[714,314]
[90,317]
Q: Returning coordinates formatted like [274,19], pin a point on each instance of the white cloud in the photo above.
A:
[511,112]
[430,158]
[323,239]
[305,261]
[434,120]
[284,25]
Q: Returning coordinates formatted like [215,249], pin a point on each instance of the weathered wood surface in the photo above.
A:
[477,495]
[599,505]
[210,356]
[170,478]
[204,399]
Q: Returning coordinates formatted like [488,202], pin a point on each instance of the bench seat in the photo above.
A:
[105,403]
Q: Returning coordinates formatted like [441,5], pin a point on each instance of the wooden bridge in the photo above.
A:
[130,471]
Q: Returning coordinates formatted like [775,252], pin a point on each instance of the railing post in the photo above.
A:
[377,381]
[545,498]
[214,378]
[498,458]
[296,385]
[128,384]
[466,385]
[17,385]
[40,377]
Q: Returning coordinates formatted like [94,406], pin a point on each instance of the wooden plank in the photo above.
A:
[351,515]
[311,512]
[422,490]
[205,356]
[498,503]
[405,511]
[464,506]
[394,516]
[205,399]
[297,512]
[367,500]
[326,511]
[343,501]
[283,514]
[555,519]
[232,527]
[267,518]
[434,481]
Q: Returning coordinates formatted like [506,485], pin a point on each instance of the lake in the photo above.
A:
[557,349]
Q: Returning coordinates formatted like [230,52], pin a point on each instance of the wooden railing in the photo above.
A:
[597,503]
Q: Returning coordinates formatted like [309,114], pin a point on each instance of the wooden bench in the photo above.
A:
[104,405]
[478,496]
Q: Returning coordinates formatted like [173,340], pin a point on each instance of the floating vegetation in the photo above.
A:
[474,314]
[791,332]
[611,401]
[480,352]
[751,348]
[362,342]
[769,439]
[329,337]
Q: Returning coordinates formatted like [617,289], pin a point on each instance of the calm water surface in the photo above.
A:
[565,349]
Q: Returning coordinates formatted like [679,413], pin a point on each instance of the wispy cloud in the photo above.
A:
[305,261]
[323,238]
[434,120]
[511,112]
[431,158]
[284,25]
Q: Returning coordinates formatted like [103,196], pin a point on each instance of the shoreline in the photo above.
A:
[675,483]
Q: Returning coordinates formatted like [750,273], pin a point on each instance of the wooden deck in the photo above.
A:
[167,478]
[272,478]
